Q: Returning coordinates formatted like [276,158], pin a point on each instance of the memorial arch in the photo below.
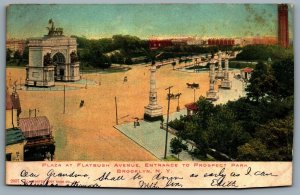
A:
[52,58]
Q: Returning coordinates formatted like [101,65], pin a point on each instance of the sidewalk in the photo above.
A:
[151,137]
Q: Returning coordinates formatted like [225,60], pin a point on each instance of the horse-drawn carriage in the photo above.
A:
[173,96]
[192,85]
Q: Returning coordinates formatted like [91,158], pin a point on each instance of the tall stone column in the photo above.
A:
[212,76]
[226,76]
[153,111]
[211,94]
[226,83]
[220,74]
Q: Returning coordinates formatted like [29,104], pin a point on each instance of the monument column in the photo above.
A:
[220,74]
[153,111]
[211,94]
[226,83]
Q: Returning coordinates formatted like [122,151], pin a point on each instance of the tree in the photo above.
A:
[263,52]
[262,83]
[25,55]
[284,74]
[190,130]
[177,146]
[8,54]
[273,142]
[204,111]
[254,150]
[18,57]
[225,133]
[277,135]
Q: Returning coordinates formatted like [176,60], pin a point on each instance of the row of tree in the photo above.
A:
[101,53]
[126,49]
[258,127]
[264,52]
[16,57]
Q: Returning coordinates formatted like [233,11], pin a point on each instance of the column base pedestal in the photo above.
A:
[219,75]
[212,95]
[226,84]
[153,113]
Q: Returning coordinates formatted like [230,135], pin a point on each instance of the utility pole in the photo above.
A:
[178,107]
[194,94]
[167,129]
[9,76]
[116,110]
[31,110]
[64,99]
[12,116]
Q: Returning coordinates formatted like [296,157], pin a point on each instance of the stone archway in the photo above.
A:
[59,62]
[59,58]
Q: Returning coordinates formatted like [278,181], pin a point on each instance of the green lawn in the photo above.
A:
[172,158]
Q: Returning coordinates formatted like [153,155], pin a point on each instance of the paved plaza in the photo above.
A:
[151,137]
[237,91]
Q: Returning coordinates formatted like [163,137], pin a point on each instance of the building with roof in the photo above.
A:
[15,142]
[14,138]
[16,45]
[246,73]
[221,42]
[40,142]
[26,138]
[159,43]
[191,108]
[11,112]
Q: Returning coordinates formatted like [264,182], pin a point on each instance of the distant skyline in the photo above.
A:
[146,20]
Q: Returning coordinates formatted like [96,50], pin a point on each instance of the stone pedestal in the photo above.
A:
[153,111]
[40,76]
[226,84]
[212,95]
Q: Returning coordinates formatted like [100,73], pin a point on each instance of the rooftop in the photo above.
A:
[247,70]
[35,126]
[191,106]
[14,136]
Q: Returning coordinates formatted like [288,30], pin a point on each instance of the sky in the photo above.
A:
[146,20]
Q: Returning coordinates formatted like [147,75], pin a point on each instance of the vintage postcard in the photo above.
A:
[149,96]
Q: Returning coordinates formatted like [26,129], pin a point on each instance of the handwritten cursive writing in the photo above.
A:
[108,177]
[25,173]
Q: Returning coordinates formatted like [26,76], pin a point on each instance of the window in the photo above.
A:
[8,157]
